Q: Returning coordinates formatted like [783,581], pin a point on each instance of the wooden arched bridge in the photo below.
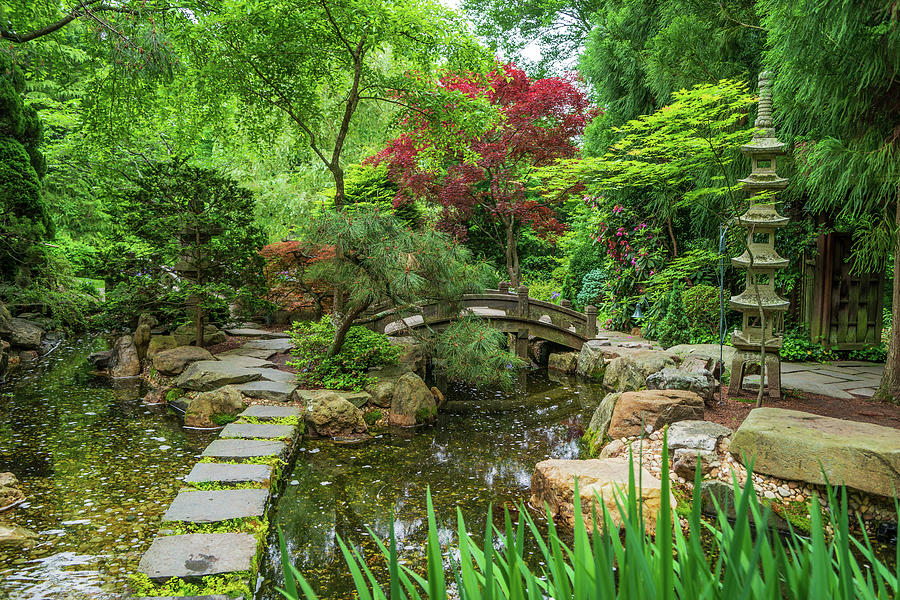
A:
[512,312]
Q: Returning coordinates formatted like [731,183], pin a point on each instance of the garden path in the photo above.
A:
[843,379]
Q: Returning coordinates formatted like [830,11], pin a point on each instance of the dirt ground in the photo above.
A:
[733,410]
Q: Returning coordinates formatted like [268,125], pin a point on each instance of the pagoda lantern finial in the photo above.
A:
[760,260]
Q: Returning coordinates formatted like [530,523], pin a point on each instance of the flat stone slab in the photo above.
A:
[276,391]
[257,333]
[235,448]
[206,375]
[278,345]
[198,555]
[251,352]
[229,473]
[696,435]
[800,446]
[253,430]
[247,362]
[219,505]
[261,411]
[276,375]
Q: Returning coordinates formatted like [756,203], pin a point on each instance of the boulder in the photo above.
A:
[438,397]
[21,333]
[186,335]
[329,415]
[553,484]
[696,435]
[599,424]
[173,362]
[653,409]
[612,449]
[9,490]
[147,319]
[684,462]
[382,391]
[694,363]
[13,537]
[203,407]
[701,383]
[629,371]
[800,446]
[686,351]
[205,375]
[592,360]
[157,395]
[565,362]
[159,343]
[4,358]
[412,354]
[142,339]
[412,402]
[124,360]
[100,360]
[726,502]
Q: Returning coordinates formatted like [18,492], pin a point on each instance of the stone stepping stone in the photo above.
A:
[198,555]
[261,411]
[278,345]
[228,473]
[251,352]
[276,375]
[253,430]
[246,362]
[277,391]
[206,375]
[257,333]
[219,505]
[235,448]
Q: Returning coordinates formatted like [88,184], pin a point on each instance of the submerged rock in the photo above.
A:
[564,362]
[9,491]
[653,409]
[553,484]
[14,537]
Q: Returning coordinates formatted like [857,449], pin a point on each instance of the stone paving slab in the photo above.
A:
[247,362]
[233,448]
[206,375]
[198,555]
[252,430]
[276,375]
[279,345]
[228,473]
[218,505]
[251,352]
[261,411]
[277,391]
[864,392]
[257,333]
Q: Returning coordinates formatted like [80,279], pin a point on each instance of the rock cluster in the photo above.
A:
[21,340]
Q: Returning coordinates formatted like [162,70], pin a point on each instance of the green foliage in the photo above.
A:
[372,417]
[870,353]
[593,288]
[231,584]
[797,346]
[673,326]
[691,268]
[425,414]
[704,303]
[174,394]
[368,187]
[723,559]
[470,350]
[348,369]
[222,419]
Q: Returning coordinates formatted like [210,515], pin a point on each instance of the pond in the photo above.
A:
[98,469]
[481,452]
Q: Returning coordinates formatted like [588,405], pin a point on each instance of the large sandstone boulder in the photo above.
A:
[599,424]
[205,375]
[653,409]
[203,407]
[124,361]
[564,362]
[629,371]
[553,484]
[701,383]
[173,362]
[800,446]
[186,335]
[142,339]
[159,343]
[382,391]
[21,333]
[412,402]
[329,415]
[592,359]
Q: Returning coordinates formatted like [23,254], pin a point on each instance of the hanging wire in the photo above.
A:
[722,321]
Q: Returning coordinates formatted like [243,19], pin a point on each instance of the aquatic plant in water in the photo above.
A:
[711,560]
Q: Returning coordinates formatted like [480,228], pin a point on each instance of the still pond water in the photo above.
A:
[99,469]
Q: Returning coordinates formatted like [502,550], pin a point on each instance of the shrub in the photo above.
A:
[797,346]
[372,417]
[704,302]
[673,326]
[348,369]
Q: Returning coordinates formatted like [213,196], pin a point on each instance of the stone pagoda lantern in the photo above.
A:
[760,260]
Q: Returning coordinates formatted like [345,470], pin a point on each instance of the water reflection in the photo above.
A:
[98,469]
[481,452]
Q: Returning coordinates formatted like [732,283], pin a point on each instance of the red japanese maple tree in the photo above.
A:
[540,122]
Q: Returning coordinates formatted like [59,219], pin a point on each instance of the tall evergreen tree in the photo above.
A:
[837,96]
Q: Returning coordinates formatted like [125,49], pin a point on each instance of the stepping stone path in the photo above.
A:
[198,555]
[247,362]
[272,412]
[235,449]
[278,345]
[225,473]
[251,352]
[252,430]
[275,391]
[207,375]
[219,505]
[276,375]
[261,334]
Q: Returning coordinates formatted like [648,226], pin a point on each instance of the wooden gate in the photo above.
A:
[844,309]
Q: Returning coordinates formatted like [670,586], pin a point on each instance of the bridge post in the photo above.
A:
[590,311]
[522,292]
[503,286]
[565,303]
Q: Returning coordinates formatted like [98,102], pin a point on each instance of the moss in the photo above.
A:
[224,418]
[252,525]
[373,416]
[426,414]
[212,486]
[795,513]
[230,584]
[291,420]
[174,394]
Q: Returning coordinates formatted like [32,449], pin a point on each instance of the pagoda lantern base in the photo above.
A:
[746,362]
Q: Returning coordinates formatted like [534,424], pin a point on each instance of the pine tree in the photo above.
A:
[837,97]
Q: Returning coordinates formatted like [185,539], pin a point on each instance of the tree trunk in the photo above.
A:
[889,390]
[341,333]
[512,256]
[198,257]
[338,173]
